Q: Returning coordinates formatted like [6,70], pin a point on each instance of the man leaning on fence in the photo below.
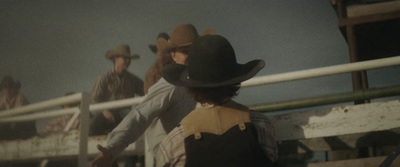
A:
[13,98]
[115,84]
[165,103]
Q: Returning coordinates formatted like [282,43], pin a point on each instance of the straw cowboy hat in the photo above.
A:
[211,63]
[209,31]
[182,35]
[159,45]
[8,82]
[121,50]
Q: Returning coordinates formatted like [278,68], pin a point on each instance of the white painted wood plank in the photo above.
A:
[63,144]
[290,126]
[361,162]
[338,121]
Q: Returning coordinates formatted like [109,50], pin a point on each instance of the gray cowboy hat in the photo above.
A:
[121,50]
[211,63]
[159,45]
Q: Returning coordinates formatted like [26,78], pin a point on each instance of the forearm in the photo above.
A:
[136,122]
[127,132]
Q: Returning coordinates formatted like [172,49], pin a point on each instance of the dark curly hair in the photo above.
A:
[215,95]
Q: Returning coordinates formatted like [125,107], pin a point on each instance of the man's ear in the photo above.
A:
[172,54]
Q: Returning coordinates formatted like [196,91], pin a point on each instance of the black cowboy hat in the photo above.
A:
[211,63]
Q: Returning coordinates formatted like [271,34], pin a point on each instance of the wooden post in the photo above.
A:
[359,78]
[84,131]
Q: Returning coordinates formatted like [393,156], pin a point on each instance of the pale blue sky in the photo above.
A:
[58,47]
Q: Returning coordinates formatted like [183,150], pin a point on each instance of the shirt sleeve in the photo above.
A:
[172,150]
[99,91]
[136,122]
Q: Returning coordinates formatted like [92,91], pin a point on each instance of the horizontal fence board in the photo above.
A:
[372,8]
[57,145]
[337,121]
[309,128]
[344,142]
[361,162]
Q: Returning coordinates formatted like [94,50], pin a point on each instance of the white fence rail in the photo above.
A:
[92,108]
[33,111]
[323,71]
[256,81]
[83,98]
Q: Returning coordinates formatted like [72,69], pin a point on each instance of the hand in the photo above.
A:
[104,159]
[108,115]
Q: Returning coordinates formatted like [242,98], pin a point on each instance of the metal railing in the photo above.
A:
[33,110]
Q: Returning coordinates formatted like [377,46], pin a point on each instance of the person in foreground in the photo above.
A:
[165,103]
[221,132]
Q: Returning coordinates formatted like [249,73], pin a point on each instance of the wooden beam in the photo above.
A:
[57,145]
[362,162]
[344,142]
[372,8]
[369,19]
[337,121]
[84,131]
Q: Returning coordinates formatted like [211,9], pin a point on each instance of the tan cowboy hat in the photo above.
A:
[211,63]
[209,31]
[182,35]
[159,45]
[121,50]
[162,44]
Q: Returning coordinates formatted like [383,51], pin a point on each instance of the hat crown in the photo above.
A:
[123,49]
[163,35]
[161,44]
[211,59]
[209,31]
[183,35]
[120,50]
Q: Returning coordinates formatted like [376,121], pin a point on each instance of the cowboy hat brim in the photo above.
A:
[169,46]
[111,54]
[177,74]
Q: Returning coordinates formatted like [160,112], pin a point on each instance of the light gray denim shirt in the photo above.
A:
[165,102]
